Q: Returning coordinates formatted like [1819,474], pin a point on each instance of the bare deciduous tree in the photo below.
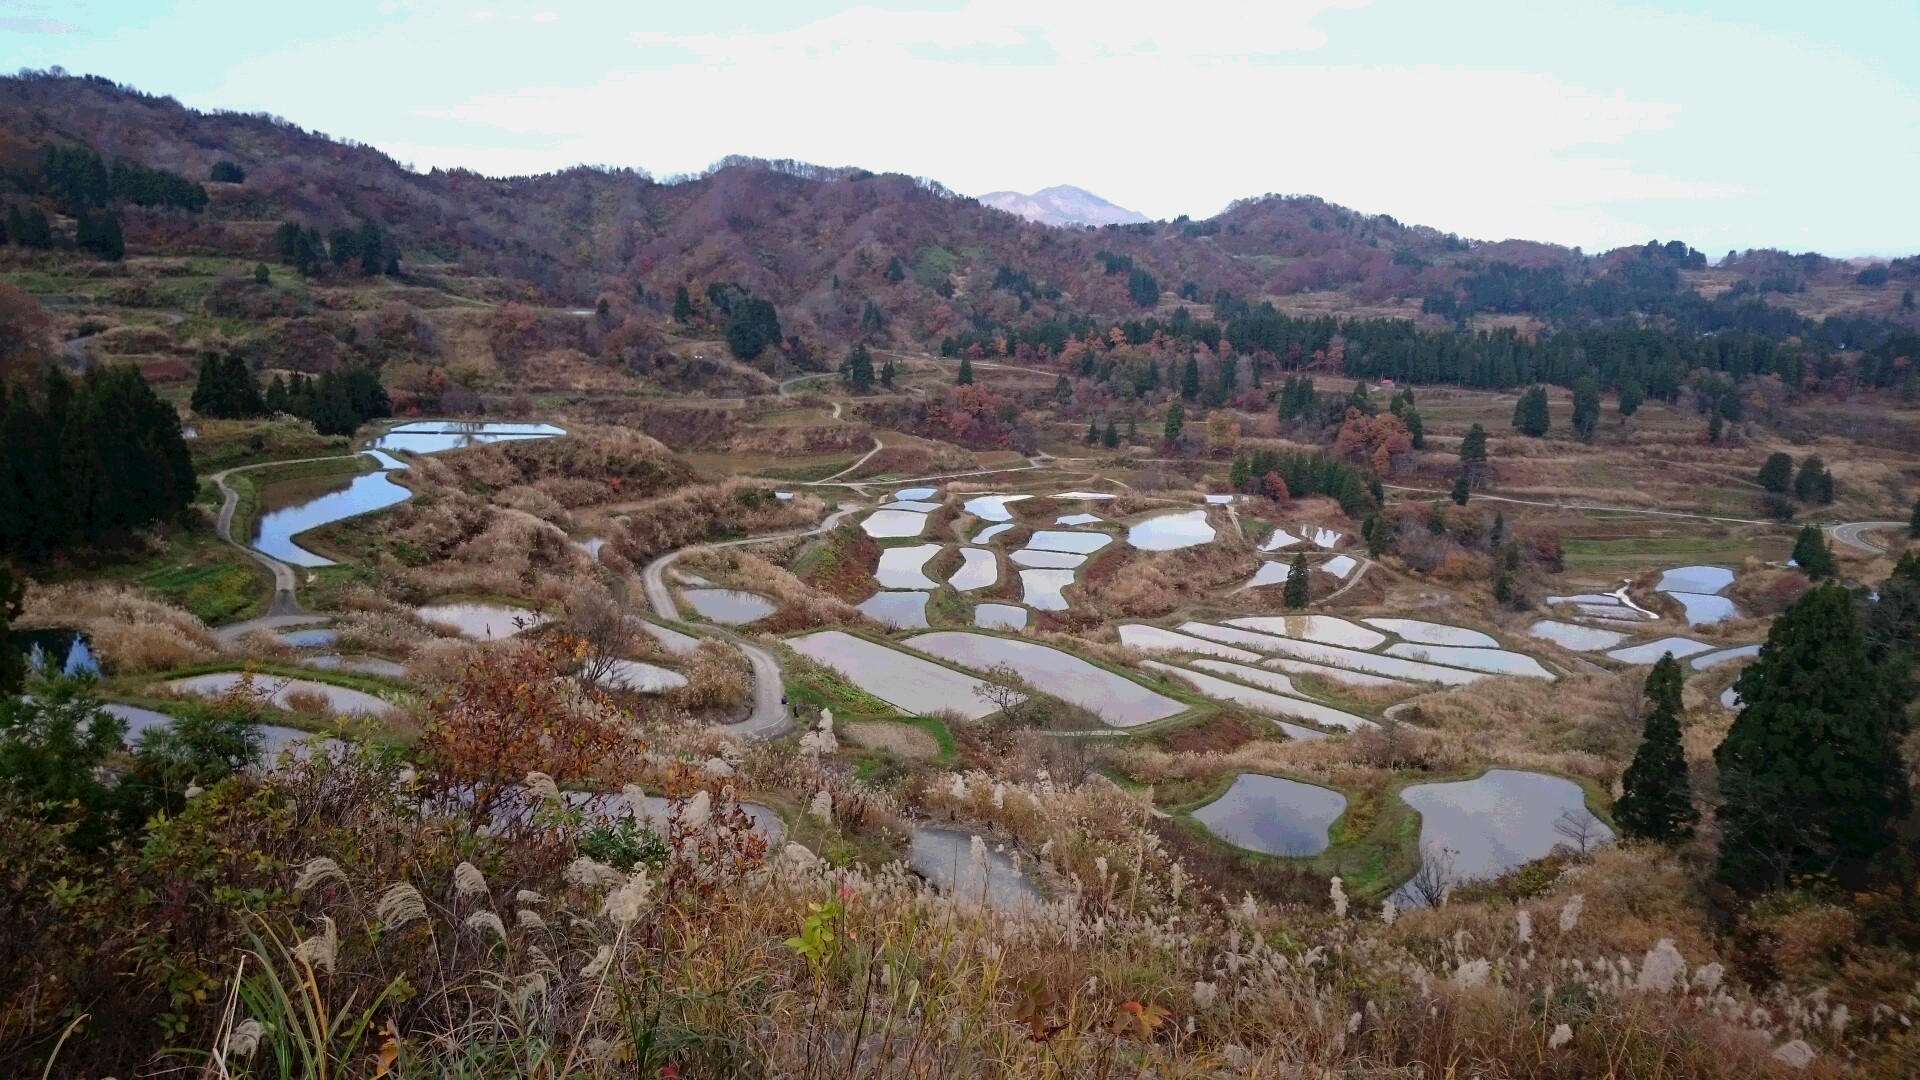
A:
[1435,878]
[1580,829]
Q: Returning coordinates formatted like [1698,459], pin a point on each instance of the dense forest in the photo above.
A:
[87,462]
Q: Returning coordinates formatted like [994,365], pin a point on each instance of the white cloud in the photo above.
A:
[1145,109]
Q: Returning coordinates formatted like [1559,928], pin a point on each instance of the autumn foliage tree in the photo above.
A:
[512,710]
[1373,440]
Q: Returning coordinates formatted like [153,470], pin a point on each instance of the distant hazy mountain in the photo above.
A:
[1062,205]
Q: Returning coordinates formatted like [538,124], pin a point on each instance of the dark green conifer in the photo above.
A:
[1656,801]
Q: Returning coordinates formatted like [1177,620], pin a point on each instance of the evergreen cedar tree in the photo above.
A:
[682,304]
[1473,448]
[1586,406]
[1813,484]
[1811,775]
[1176,419]
[752,328]
[1460,489]
[1297,595]
[1776,475]
[887,374]
[859,368]
[1416,428]
[1811,554]
[336,403]
[1111,437]
[1631,395]
[226,172]
[1530,412]
[1913,521]
[87,462]
[1093,431]
[1656,800]
[964,377]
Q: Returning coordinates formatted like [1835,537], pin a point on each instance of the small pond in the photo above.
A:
[1046,560]
[1077,519]
[904,567]
[900,610]
[1491,825]
[729,607]
[63,651]
[434,436]
[978,569]
[916,494]
[913,505]
[945,858]
[1045,590]
[278,523]
[1339,566]
[1000,617]
[1730,699]
[1170,532]
[312,637]
[884,524]
[480,621]
[1273,815]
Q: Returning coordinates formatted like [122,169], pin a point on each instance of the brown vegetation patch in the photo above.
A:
[130,631]
[843,564]
[903,739]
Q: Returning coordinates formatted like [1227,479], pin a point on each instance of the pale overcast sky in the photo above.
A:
[1725,123]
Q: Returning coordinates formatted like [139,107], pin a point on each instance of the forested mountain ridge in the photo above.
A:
[846,254]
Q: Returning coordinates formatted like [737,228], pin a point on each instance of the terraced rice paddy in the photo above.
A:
[1724,656]
[900,610]
[1171,532]
[1430,633]
[1273,815]
[1490,825]
[1117,700]
[1260,700]
[1491,661]
[1000,617]
[636,677]
[945,857]
[992,508]
[905,567]
[1156,639]
[1575,637]
[1651,651]
[278,691]
[890,524]
[1046,560]
[978,569]
[989,533]
[730,607]
[1079,543]
[1045,590]
[481,622]
[1392,667]
[905,681]
[1325,629]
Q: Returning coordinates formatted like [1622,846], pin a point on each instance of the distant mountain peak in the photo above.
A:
[1062,204]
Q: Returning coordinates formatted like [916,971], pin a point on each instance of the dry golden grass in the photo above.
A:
[131,632]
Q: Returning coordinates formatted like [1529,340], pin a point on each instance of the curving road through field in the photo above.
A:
[284,609]
[769,717]
[1853,534]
